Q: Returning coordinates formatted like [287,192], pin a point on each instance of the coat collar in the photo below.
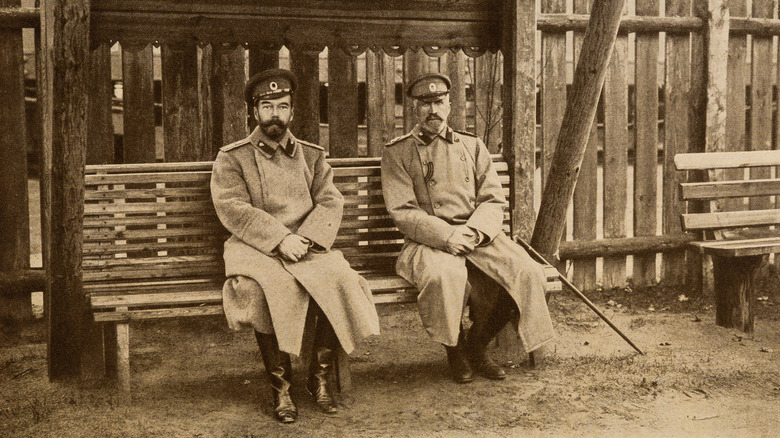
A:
[445,133]
[268,146]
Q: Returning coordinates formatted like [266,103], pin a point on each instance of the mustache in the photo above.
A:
[433,117]
[273,122]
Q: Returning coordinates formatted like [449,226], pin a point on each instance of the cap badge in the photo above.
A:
[273,86]
[432,87]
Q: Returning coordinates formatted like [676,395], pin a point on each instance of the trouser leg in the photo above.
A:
[326,345]
[279,370]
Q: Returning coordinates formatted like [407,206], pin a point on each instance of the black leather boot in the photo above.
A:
[483,331]
[459,366]
[322,365]
[279,370]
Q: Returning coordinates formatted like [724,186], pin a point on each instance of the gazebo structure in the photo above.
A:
[207,49]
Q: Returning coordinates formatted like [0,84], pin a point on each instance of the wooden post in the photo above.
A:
[415,64]
[586,192]
[519,130]
[380,85]
[761,99]
[597,46]
[181,136]
[342,104]
[305,63]
[553,87]
[14,216]
[646,145]
[455,68]
[63,94]
[615,158]
[736,72]
[138,143]
[228,104]
[487,79]
[677,132]
[101,92]
[734,291]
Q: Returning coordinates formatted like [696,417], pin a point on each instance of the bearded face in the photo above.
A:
[274,115]
[432,114]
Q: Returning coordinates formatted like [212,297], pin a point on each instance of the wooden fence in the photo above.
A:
[667,60]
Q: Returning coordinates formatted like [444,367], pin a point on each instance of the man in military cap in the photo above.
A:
[274,193]
[443,192]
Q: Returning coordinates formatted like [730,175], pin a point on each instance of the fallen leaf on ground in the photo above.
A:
[682,298]
[765,350]
[696,319]
[664,344]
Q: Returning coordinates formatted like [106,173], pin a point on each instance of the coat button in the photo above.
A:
[437,205]
[431,183]
[468,179]
[462,158]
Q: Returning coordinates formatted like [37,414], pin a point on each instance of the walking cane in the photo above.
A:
[576,291]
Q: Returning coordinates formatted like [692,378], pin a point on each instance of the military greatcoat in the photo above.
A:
[432,185]
[262,192]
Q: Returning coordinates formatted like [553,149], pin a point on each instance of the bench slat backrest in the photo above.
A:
[722,189]
[146,222]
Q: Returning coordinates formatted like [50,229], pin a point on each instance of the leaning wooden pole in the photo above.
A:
[581,105]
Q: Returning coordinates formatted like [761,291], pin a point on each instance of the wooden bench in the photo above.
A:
[153,244]
[738,240]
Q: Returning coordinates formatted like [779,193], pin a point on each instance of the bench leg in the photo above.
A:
[123,359]
[734,291]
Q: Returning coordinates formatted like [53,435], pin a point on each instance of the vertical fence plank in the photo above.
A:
[735,100]
[181,136]
[677,136]
[305,64]
[342,104]
[761,98]
[456,70]
[553,86]
[615,158]
[487,99]
[228,83]
[101,126]
[205,71]
[63,95]
[14,215]
[586,193]
[415,64]
[646,146]
[380,87]
[138,143]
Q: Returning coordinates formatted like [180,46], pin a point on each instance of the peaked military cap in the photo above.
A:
[269,84]
[429,86]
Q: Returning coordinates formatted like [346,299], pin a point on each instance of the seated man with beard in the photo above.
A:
[274,193]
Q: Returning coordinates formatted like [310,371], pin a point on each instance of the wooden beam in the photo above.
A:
[17,18]
[138,142]
[380,86]
[63,90]
[736,75]
[597,46]
[586,192]
[23,281]
[487,95]
[101,125]
[519,116]
[416,64]
[228,93]
[305,63]
[342,104]
[14,214]
[646,146]
[455,68]
[181,136]
[622,246]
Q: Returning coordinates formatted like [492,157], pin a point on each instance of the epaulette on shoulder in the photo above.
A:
[398,139]
[235,144]
[311,145]
[466,133]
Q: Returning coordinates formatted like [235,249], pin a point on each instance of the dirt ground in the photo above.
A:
[196,378]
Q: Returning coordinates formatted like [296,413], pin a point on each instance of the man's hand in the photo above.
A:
[462,241]
[293,247]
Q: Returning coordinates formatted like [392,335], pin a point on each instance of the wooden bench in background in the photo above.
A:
[739,240]
[153,245]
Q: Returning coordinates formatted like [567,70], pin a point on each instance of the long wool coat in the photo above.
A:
[261,195]
[430,187]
